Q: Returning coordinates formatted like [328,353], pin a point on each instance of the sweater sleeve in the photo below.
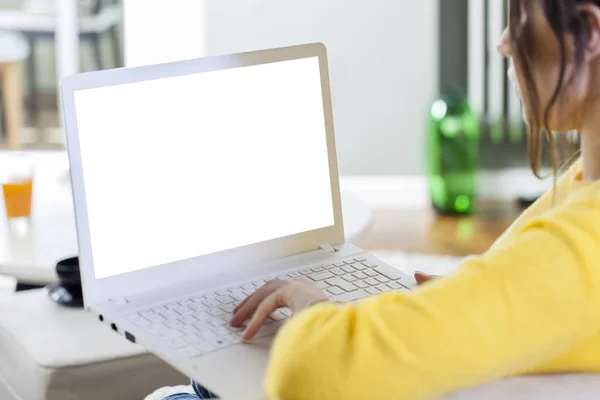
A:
[505,312]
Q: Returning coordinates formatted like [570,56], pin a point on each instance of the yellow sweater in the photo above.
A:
[531,304]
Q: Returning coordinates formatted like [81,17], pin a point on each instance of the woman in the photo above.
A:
[529,305]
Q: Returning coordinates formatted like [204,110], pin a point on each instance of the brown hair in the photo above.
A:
[565,18]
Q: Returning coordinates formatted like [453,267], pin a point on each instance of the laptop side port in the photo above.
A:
[129,337]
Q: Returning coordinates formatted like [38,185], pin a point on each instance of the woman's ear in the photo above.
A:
[592,14]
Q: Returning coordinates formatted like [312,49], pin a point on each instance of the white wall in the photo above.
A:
[383,62]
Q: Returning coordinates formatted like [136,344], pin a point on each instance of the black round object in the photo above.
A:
[68,292]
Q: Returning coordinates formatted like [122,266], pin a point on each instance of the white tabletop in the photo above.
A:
[31,256]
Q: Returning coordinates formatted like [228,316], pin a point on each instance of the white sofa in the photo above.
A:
[48,352]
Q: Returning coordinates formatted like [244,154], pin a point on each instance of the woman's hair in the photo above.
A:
[565,19]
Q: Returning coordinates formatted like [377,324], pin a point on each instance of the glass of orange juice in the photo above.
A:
[16,177]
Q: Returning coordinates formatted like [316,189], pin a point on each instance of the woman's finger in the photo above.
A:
[266,307]
[422,277]
[235,310]
[245,311]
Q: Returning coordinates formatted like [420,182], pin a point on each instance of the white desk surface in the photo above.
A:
[31,257]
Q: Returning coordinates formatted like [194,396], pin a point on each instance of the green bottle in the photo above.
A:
[452,155]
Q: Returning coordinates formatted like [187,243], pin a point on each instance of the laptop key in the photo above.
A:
[347,286]
[238,296]
[193,339]
[203,325]
[391,273]
[361,284]
[206,347]
[188,329]
[349,278]
[372,281]
[360,275]
[338,272]
[197,307]
[177,343]
[228,308]
[306,272]
[155,318]
[170,314]
[394,285]
[372,290]
[221,331]
[334,290]
[383,288]
[322,285]
[259,284]
[212,302]
[185,311]
[321,276]
[188,319]
[202,315]
[226,299]
[216,312]
[351,296]
[233,339]
[382,279]
[349,262]
[370,272]
[248,286]
[360,259]
[338,264]
[208,335]
[318,269]
[348,269]
[359,266]
[216,322]
[234,328]
[142,322]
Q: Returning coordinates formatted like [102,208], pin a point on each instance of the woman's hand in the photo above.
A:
[297,295]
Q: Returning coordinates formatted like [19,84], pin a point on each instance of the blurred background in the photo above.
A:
[390,60]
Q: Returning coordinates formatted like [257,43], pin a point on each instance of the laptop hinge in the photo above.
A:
[120,301]
[328,248]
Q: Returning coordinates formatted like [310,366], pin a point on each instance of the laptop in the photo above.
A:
[196,182]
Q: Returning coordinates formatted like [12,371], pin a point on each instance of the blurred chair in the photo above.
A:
[14,49]
[36,20]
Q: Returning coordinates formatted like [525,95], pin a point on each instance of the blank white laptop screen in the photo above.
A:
[181,167]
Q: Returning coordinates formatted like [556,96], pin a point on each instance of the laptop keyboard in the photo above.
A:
[200,325]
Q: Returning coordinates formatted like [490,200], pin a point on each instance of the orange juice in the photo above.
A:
[17,198]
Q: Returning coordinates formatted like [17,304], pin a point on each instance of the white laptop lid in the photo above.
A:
[186,170]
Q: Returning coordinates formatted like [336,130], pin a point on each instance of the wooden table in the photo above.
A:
[423,231]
